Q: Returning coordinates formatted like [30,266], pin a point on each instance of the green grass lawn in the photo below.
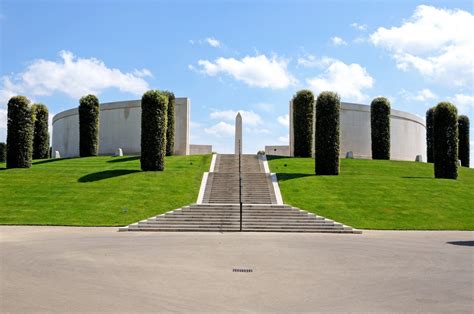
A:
[375,194]
[97,191]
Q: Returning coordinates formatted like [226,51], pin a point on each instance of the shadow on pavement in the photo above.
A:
[461,243]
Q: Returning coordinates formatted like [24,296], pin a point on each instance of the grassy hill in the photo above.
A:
[97,191]
[376,194]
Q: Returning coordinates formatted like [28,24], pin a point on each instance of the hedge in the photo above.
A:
[153,137]
[463,127]
[19,133]
[328,106]
[430,135]
[170,124]
[3,152]
[380,128]
[303,117]
[446,141]
[89,126]
[41,135]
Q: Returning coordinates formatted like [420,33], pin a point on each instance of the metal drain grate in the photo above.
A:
[242,270]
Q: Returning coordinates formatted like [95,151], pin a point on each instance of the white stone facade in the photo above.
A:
[407,133]
[119,127]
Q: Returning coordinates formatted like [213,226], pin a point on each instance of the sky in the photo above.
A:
[231,56]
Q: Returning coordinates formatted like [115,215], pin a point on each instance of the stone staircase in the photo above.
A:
[223,184]
[255,218]
[219,208]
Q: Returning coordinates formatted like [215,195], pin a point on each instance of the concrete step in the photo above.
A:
[245,213]
[221,211]
[246,220]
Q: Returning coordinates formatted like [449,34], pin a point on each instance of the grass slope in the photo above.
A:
[376,194]
[97,191]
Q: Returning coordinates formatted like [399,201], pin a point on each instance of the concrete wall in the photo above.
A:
[407,133]
[277,150]
[200,149]
[120,126]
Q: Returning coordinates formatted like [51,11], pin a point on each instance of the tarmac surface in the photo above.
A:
[67,269]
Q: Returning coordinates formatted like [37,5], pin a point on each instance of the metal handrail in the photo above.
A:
[240,185]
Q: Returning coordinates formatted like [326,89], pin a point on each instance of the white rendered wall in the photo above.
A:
[119,127]
[277,150]
[200,149]
[407,133]
[355,131]
[181,127]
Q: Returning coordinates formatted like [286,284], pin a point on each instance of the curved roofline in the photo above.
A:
[105,106]
[397,114]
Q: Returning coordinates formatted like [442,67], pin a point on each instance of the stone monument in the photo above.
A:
[238,134]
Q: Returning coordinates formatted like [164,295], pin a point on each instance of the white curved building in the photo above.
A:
[120,127]
[407,134]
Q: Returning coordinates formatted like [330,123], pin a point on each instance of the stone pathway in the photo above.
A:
[219,209]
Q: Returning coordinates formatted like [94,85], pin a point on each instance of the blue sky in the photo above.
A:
[228,56]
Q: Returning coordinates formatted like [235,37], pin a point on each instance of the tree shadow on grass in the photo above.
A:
[291,176]
[130,158]
[45,161]
[417,178]
[273,157]
[461,243]
[107,174]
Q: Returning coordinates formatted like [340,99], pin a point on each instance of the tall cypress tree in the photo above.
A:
[3,152]
[41,135]
[171,123]
[303,117]
[89,126]
[446,141]
[328,106]
[19,133]
[380,128]
[430,134]
[153,137]
[463,126]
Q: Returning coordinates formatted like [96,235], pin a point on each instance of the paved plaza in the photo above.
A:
[99,269]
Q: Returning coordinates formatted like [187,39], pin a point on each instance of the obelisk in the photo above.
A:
[238,134]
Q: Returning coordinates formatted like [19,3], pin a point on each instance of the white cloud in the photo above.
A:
[338,41]
[421,95]
[248,117]
[360,40]
[73,76]
[284,139]
[348,80]
[221,129]
[435,42]
[464,103]
[425,94]
[311,61]
[258,71]
[360,27]
[142,73]
[213,42]
[284,120]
